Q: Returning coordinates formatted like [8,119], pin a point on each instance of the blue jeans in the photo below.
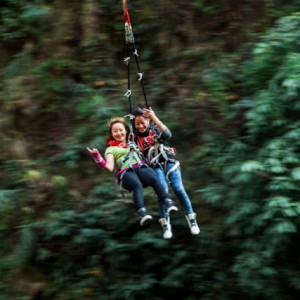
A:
[177,186]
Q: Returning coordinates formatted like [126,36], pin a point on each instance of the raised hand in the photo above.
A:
[149,113]
[97,157]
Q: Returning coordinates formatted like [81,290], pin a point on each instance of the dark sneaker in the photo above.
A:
[143,216]
[145,220]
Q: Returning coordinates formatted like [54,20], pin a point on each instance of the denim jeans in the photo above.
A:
[137,179]
[177,187]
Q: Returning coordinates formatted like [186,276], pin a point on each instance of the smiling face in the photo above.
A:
[118,132]
[141,123]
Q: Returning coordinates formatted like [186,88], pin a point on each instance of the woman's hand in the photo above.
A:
[149,113]
[97,157]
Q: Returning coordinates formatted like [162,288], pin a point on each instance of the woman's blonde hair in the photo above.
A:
[113,121]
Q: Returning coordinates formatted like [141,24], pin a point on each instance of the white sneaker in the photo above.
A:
[169,204]
[166,226]
[191,219]
[145,220]
[171,208]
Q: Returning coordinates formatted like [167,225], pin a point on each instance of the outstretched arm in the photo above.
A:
[107,163]
[110,162]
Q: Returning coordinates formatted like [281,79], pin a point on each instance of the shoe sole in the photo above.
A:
[171,209]
[146,221]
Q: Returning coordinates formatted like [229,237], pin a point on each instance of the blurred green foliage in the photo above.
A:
[224,76]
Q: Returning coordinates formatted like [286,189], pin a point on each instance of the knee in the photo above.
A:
[150,180]
[137,185]
[177,187]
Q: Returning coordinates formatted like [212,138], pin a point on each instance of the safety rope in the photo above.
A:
[129,38]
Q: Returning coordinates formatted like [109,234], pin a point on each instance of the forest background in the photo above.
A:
[224,76]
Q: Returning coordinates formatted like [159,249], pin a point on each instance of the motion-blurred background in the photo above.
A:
[223,75]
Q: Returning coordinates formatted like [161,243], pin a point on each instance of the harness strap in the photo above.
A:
[154,159]
[162,151]
[155,152]
[130,155]
[136,156]
[176,165]
[122,190]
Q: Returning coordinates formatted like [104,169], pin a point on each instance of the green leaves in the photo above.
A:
[295,173]
[21,20]
[290,80]
[252,166]
[258,184]
[235,111]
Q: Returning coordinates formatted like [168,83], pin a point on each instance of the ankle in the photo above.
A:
[192,222]
[166,227]
[143,216]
